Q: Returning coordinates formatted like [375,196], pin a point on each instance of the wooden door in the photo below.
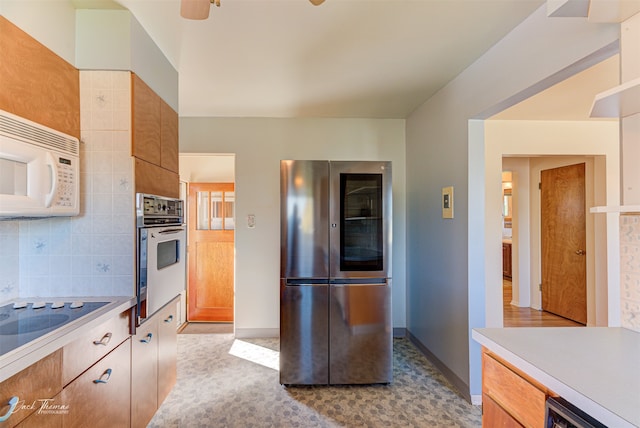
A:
[211,252]
[564,278]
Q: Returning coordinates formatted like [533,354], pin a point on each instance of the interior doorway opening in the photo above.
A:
[210,204]
[521,291]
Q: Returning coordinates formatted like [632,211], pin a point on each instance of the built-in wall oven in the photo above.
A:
[161,253]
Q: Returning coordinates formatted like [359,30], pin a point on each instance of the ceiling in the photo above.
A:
[570,99]
[345,58]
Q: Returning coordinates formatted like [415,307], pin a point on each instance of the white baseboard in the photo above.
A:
[476,400]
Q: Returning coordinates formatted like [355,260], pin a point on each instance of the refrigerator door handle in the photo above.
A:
[359,281]
[294,282]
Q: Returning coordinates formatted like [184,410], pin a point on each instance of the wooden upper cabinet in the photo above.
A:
[37,84]
[145,121]
[168,137]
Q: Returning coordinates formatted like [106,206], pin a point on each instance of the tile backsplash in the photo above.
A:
[630,271]
[91,254]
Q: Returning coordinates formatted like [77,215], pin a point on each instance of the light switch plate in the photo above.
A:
[447,202]
[251,221]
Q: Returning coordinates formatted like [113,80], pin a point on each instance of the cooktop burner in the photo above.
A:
[20,323]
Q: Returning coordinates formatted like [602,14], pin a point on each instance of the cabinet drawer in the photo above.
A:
[100,396]
[523,400]
[83,352]
[495,416]
[39,381]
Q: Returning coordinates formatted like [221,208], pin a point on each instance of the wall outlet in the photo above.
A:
[251,221]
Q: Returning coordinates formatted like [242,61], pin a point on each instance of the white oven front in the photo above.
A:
[161,270]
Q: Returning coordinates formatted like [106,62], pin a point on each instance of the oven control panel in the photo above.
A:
[158,210]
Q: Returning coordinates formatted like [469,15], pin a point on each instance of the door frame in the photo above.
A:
[489,141]
[207,167]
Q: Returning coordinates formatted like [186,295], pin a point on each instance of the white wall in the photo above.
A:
[446,271]
[115,40]
[51,22]
[207,168]
[259,145]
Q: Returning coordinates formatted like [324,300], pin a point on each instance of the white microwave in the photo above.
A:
[39,170]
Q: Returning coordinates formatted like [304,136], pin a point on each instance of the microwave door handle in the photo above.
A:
[51,163]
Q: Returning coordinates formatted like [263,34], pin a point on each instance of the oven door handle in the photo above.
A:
[170,231]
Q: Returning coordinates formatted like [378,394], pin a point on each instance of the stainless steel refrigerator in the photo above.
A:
[335,270]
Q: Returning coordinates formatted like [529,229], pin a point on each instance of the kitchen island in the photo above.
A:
[596,369]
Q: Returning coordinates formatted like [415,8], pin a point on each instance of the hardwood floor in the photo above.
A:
[527,317]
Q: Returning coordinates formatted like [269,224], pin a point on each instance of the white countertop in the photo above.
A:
[595,368]
[14,361]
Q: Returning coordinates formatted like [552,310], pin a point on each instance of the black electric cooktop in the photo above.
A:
[22,323]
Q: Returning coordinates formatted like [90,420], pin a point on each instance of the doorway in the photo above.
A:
[210,290]
[521,295]
[210,184]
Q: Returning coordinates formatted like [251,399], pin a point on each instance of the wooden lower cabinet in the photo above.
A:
[43,419]
[167,350]
[495,416]
[41,380]
[514,398]
[153,364]
[144,373]
[105,378]
[83,352]
[100,396]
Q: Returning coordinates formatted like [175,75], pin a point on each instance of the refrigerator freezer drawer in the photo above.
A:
[304,334]
[361,334]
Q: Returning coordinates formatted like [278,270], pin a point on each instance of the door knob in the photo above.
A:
[581,252]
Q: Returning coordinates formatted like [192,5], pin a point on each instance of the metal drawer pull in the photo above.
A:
[12,405]
[106,375]
[169,319]
[147,339]
[104,341]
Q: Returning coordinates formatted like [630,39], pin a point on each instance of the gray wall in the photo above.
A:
[445,264]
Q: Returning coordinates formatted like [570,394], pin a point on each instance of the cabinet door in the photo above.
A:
[145,121]
[150,178]
[168,137]
[100,396]
[167,350]
[144,373]
[39,381]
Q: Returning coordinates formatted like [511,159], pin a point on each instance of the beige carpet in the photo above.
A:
[223,382]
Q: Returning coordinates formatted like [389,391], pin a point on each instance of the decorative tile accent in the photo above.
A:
[630,271]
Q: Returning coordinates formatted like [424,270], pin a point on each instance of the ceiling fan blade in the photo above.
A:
[195,9]
[316,2]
